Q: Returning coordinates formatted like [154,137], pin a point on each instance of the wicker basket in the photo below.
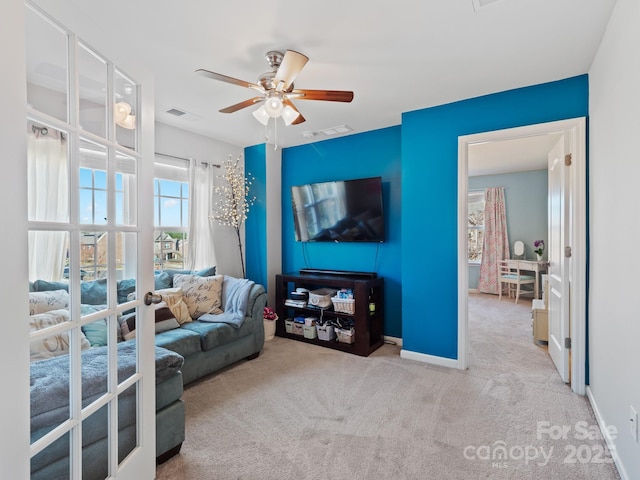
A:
[344,305]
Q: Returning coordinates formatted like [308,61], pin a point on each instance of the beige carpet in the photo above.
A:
[303,412]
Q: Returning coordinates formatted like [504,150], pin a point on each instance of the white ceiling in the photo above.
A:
[396,56]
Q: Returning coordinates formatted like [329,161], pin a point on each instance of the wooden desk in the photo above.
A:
[530,266]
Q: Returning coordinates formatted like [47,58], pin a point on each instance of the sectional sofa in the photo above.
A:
[185,352]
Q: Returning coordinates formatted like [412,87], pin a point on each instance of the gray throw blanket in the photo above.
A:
[235,297]
[50,379]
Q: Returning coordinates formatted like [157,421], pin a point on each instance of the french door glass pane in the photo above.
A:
[125,110]
[47,72]
[48,259]
[92,183]
[92,83]
[93,261]
[128,438]
[95,428]
[57,453]
[47,173]
[126,194]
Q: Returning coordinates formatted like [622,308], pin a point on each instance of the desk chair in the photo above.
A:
[513,279]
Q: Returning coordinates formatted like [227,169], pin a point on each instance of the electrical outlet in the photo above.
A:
[633,423]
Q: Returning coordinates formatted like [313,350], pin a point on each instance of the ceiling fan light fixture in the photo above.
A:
[289,114]
[261,115]
[273,106]
[123,116]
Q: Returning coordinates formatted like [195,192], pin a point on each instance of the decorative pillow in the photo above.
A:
[96,332]
[163,280]
[173,297]
[54,345]
[94,292]
[42,302]
[205,272]
[164,321]
[201,294]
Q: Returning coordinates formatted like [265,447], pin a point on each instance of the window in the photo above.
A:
[171,214]
[475,225]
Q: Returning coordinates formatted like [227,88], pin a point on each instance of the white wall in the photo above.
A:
[614,172]
[175,141]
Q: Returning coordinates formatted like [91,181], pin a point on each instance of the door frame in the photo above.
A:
[576,130]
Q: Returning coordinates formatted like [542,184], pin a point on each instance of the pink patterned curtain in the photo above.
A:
[496,239]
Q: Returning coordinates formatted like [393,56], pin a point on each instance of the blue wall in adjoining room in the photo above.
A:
[370,154]
[525,195]
[429,270]
[256,223]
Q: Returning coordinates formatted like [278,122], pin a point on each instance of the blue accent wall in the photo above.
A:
[256,223]
[370,154]
[429,198]
[526,204]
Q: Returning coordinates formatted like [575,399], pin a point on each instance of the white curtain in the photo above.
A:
[496,239]
[48,193]
[201,252]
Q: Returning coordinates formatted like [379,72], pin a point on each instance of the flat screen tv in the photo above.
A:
[340,211]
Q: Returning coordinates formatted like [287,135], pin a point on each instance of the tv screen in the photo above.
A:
[340,211]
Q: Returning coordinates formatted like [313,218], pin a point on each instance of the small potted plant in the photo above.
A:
[538,248]
[269,319]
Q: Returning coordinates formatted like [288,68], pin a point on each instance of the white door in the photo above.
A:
[559,228]
[90,211]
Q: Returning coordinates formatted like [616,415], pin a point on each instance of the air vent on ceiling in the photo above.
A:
[175,112]
[336,130]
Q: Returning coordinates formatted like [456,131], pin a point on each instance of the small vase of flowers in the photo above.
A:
[269,318]
[538,248]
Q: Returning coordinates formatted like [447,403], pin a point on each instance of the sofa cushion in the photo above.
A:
[164,320]
[201,294]
[124,288]
[179,340]
[213,335]
[41,302]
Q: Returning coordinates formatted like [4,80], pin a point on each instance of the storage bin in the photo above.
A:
[346,335]
[309,331]
[288,325]
[344,305]
[321,297]
[326,332]
[298,329]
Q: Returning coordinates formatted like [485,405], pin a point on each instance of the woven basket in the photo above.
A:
[344,305]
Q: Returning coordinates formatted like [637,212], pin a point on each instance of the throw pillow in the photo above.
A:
[164,320]
[201,294]
[42,302]
[96,332]
[53,345]
[173,297]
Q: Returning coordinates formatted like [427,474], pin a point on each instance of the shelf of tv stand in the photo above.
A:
[368,325]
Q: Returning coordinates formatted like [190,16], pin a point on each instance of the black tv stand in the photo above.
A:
[341,273]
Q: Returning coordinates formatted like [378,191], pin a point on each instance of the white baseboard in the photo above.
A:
[605,434]
[474,290]
[432,359]
[396,340]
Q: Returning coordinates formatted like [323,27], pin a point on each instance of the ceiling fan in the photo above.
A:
[277,90]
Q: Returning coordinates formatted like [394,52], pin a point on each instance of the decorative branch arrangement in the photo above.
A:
[232,206]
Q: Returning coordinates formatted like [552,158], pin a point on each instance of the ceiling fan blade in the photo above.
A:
[327,95]
[299,119]
[225,78]
[289,69]
[241,105]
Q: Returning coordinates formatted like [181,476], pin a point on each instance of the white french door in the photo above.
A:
[90,211]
